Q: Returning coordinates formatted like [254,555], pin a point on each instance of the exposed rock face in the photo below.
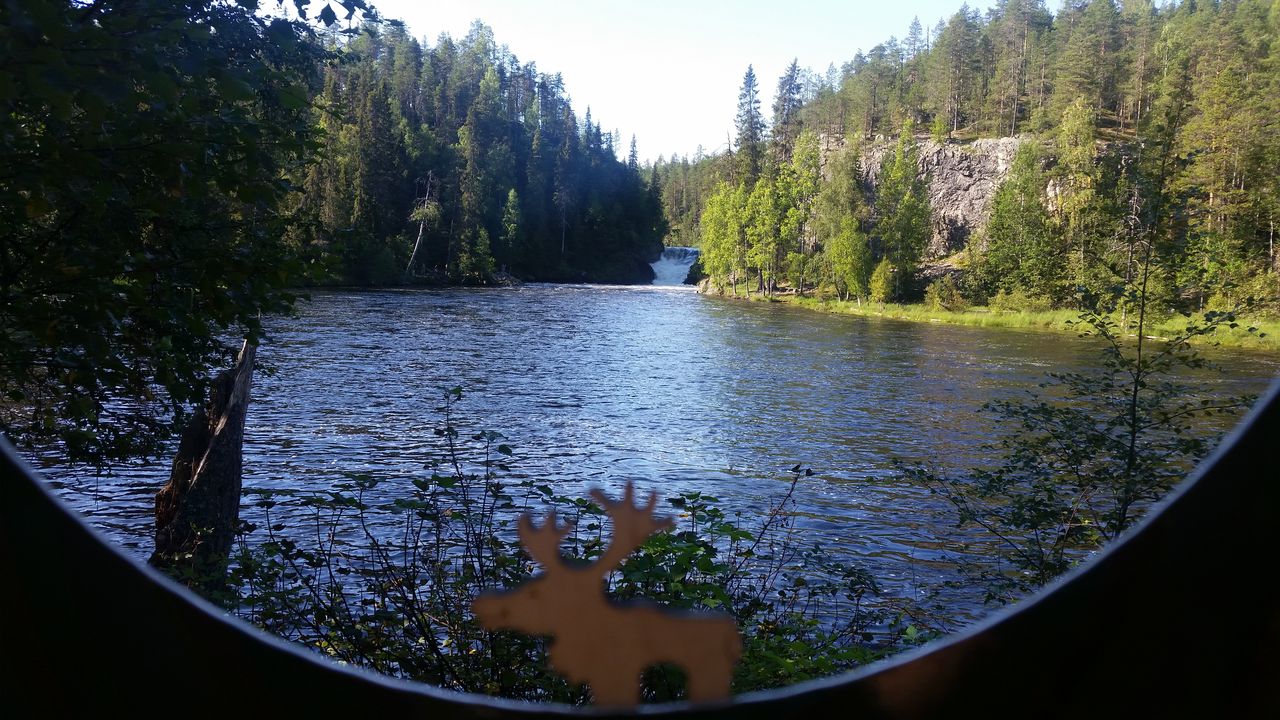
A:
[963,179]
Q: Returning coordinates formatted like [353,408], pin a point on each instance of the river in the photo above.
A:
[594,386]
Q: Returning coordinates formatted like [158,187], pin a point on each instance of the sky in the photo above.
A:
[669,71]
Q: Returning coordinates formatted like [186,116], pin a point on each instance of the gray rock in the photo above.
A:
[963,178]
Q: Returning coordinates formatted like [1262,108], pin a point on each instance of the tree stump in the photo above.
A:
[198,509]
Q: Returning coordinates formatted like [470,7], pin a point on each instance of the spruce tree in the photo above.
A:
[902,215]
[1023,250]
[750,126]
[786,112]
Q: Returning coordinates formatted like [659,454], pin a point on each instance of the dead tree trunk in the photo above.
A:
[417,246]
[198,510]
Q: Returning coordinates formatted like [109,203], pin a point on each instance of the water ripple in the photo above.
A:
[599,385]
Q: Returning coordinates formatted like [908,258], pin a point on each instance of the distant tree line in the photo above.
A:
[1129,109]
[455,161]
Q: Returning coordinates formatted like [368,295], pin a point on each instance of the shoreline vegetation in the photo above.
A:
[1266,339]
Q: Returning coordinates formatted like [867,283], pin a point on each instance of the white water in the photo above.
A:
[673,267]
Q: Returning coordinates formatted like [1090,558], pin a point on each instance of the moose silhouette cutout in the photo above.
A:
[604,644]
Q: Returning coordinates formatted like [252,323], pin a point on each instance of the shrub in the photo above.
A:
[881,286]
[1017,300]
[944,294]
[389,586]
[1083,457]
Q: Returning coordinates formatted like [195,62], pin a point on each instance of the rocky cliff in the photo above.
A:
[962,178]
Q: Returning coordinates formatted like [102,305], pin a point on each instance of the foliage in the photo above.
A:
[902,215]
[460,126]
[1084,456]
[1024,252]
[1104,86]
[944,294]
[881,284]
[764,216]
[147,150]
[848,259]
[838,212]
[1017,300]
[388,583]
[723,237]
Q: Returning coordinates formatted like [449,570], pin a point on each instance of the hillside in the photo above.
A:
[1052,157]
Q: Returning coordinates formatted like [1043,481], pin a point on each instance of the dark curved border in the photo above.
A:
[1179,619]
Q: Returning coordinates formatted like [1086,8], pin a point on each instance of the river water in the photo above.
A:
[594,386]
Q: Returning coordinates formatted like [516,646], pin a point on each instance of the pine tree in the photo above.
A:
[1017,30]
[1089,61]
[1138,22]
[953,70]
[915,42]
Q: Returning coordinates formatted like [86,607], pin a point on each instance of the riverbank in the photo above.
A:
[1267,337]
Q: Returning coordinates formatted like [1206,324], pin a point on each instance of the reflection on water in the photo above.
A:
[596,386]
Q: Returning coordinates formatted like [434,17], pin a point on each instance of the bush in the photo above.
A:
[1017,300]
[1085,456]
[881,285]
[944,294]
[390,586]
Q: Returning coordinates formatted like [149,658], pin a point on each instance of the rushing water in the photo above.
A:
[677,391]
[672,267]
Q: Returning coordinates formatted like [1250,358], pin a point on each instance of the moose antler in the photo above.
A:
[631,525]
[543,543]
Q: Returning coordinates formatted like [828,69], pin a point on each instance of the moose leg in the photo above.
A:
[621,689]
[709,682]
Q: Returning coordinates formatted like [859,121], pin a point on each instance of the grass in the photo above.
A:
[1064,321]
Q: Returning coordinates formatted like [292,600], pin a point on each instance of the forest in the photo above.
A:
[1148,141]
[453,162]
[172,172]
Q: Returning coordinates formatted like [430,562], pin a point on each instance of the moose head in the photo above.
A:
[604,644]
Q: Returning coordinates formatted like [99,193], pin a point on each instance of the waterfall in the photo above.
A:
[673,267]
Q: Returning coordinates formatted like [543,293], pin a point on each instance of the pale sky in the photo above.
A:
[669,71]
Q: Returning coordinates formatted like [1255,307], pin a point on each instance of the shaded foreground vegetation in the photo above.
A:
[389,584]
